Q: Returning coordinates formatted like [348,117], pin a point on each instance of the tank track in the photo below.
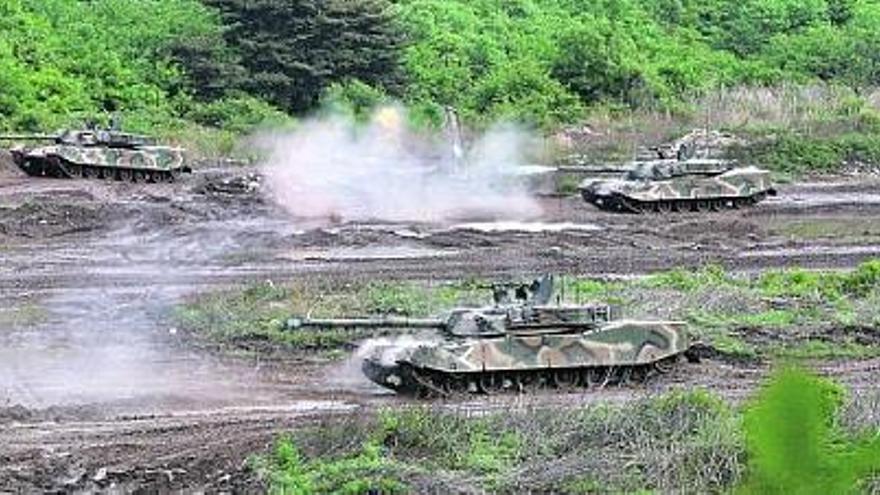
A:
[428,383]
[619,203]
[55,167]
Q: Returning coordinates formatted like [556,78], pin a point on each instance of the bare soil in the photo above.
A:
[98,390]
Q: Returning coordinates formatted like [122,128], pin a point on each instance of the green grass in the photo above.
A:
[818,228]
[793,313]
[257,313]
[611,448]
[798,434]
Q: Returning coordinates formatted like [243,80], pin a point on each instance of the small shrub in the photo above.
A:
[864,280]
[794,443]
[388,298]
[290,473]
[689,280]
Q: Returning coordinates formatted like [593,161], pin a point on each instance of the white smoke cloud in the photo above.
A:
[330,167]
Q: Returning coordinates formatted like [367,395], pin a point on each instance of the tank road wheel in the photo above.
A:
[597,378]
[738,203]
[638,207]
[156,176]
[89,172]
[140,176]
[425,385]
[75,170]
[125,175]
[109,174]
[490,383]
[664,207]
[565,379]
[528,383]
[665,366]
[701,206]
[452,385]
[634,375]
[716,204]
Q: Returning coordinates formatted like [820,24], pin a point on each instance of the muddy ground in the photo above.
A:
[98,390]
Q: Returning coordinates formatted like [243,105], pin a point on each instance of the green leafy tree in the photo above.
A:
[65,60]
[293,50]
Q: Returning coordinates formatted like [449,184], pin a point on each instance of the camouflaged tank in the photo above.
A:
[518,347]
[680,185]
[88,153]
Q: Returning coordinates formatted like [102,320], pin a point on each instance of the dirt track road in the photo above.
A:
[99,391]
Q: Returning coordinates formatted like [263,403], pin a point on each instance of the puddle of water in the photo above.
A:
[295,407]
[530,227]
[826,199]
[811,250]
[366,253]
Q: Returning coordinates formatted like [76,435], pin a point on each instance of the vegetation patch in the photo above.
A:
[24,315]
[792,313]
[206,72]
[777,313]
[257,315]
[799,431]
[864,228]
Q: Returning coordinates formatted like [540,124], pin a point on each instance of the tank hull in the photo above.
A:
[146,164]
[737,188]
[619,352]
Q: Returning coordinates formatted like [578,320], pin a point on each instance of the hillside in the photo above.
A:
[212,70]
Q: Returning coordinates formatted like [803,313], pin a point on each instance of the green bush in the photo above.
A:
[239,114]
[795,153]
[795,445]
[291,474]
[353,97]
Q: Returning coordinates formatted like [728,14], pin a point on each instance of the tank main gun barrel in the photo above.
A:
[382,322]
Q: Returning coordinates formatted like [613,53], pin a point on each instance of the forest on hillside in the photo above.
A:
[232,65]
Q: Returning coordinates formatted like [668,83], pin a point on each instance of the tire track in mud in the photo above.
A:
[131,398]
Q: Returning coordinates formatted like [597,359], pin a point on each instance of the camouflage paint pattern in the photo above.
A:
[621,343]
[525,343]
[664,186]
[110,155]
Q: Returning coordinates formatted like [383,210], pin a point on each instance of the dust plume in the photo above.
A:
[348,375]
[332,168]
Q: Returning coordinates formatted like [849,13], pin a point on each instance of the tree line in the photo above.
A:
[233,64]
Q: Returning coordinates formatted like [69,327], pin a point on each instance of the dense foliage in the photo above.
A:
[545,59]
[292,51]
[230,63]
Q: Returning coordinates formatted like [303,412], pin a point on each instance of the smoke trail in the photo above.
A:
[330,167]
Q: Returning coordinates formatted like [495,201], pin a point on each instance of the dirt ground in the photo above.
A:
[98,390]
